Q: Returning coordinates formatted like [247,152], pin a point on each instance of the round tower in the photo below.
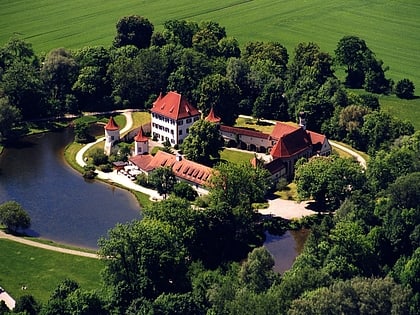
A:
[112,134]
[141,143]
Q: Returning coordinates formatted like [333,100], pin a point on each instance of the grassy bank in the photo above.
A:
[42,270]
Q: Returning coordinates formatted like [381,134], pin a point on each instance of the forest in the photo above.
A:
[362,257]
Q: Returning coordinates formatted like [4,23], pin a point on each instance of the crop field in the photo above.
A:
[390,28]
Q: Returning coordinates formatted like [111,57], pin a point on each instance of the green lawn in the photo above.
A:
[42,270]
[236,156]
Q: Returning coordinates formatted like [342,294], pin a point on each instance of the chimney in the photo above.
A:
[302,120]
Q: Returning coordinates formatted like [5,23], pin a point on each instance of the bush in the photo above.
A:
[405,89]
[89,172]
[105,168]
[99,157]
[183,190]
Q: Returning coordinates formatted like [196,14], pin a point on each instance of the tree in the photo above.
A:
[405,89]
[256,272]
[163,179]
[133,30]
[59,73]
[26,304]
[184,190]
[13,216]
[329,180]
[81,132]
[203,142]
[352,52]
[22,85]
[143,259]
[238,184]
[357,296]
[272,51]
[220,93]
[134,79]
[9,118]
[180,31]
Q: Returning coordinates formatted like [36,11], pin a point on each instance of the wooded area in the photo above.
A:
[364,257]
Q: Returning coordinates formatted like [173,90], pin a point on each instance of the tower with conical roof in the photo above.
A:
[112,134]
[141,143]
[211,117]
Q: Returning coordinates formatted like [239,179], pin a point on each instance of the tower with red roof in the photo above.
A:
[141,143]
[112,134]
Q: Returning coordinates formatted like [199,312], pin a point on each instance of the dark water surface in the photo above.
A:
[63,206]
[285,248]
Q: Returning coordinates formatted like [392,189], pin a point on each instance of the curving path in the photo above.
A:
[25,241]
[353,153]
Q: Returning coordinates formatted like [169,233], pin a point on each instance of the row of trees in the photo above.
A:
[198,60]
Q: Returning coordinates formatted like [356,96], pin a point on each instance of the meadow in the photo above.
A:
[40,270]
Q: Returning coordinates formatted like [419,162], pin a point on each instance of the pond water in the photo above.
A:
[67,209]
[63,206]
[285,248]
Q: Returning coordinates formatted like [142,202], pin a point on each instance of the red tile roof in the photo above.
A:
[142,161]
[140,137]
[245,132]
[182,168]
[111,125]
[281,129]
[316,137]
[174,106]
[211,117]
[291,144]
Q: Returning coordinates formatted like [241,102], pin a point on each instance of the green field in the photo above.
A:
[390,28]
[42,270]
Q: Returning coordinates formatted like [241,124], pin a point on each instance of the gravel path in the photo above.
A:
[25,241]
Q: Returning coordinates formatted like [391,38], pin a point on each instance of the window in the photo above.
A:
[188,131]
[188,120]
[196,118]
[172,132]
[180,132]
[180,122]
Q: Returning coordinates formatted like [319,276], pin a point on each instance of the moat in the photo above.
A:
[67,209]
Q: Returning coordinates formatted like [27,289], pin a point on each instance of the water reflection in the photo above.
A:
[285,248]
[63,207]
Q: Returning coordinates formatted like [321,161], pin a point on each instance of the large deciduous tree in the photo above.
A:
[203,142]
[59,73]
[133,30]
[143,259]
[329,180]
[13,216]
[163,179]
[222,94]
[238,184]
[352,52]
